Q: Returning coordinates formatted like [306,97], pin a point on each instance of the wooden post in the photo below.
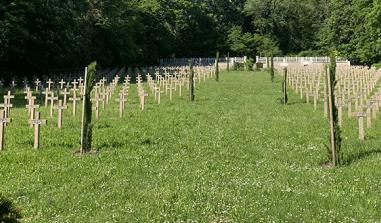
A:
[285,98]
[227,63]
[36,122]
[60,107]
[217,68]
[335,138]
[82,149]
[3,121]
[272,72]
[191,85]
[325,101]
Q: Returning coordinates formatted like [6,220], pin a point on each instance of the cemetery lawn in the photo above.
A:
[234,155]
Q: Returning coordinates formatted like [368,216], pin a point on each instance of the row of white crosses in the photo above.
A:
[141,92]
[103,93]
[357,89]
[175,79]
[172,79]
[34,116]
[4,116]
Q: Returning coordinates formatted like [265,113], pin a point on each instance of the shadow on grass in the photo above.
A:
[357,156]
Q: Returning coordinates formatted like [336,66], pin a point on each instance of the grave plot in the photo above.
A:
[357,92]
[54,101]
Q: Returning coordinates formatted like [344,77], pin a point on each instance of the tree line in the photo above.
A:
[43,34]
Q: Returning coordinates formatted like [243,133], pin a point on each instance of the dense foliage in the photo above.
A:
[8,213]
[37,34]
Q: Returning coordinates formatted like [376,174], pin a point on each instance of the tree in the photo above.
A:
[243,44]
[334,136]
[291,23]
[87,127]
[357,38]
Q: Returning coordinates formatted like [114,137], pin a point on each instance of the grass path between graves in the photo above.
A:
[234,155]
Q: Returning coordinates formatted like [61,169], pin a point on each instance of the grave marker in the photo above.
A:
[60,107]
[3,121]
[74,99]
[36,122]
[52,99]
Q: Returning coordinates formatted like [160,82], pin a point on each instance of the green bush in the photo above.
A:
[238,66]
[8,213]
[249,64]
[308,53]
[377,65]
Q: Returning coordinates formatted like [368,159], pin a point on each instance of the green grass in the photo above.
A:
[234,155]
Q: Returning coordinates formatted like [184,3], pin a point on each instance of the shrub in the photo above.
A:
[8,213]
[377,65]
[249,64]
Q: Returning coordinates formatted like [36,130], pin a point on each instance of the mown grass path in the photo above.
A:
[234,155]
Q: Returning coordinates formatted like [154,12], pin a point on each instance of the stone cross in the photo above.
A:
[36,122]
[60,107]
[3,121]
